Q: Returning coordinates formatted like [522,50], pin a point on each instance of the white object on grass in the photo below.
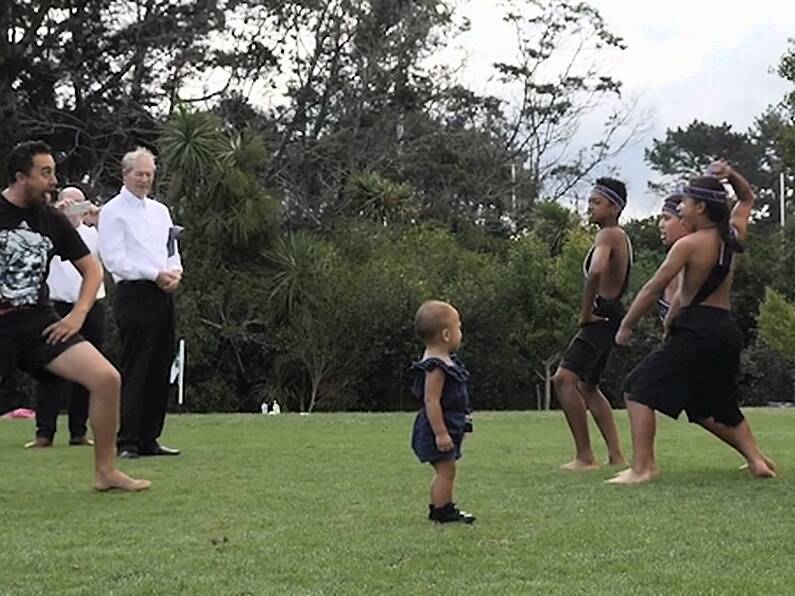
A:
[178,372]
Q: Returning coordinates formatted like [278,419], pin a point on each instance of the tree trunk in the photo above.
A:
[548,380]
[313,396]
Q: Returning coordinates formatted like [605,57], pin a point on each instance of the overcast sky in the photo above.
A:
[686,60]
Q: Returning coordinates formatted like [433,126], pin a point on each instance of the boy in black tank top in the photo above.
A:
[606,270]
[696,368]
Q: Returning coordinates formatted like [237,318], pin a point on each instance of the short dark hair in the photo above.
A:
[674,198]
[21,158]
[615,185]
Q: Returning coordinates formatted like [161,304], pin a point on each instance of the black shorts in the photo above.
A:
[22,344]
[695,369]
[589,350]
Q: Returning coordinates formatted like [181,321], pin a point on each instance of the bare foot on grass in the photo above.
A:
[761,469]
[577,465]
[630,476]
[116,479]
[770,464]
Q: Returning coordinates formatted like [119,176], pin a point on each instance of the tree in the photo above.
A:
[93,77]
[307,294]
[686,152]
[777,324]
[551,223]
[777,126]
[785,111]
[553,100]
[770,362]
[364,97]
[210,177]
[353,73]
[374,197]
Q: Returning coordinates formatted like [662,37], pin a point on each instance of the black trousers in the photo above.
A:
[145,318]
[52,393]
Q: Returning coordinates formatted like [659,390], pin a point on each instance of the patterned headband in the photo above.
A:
[610,195]
[705,194]
[671,205]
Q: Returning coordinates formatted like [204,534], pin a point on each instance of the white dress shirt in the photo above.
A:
[133,238]
[64,280]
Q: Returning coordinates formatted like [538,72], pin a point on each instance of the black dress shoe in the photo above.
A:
[128,454]
[39,442]
[159,450]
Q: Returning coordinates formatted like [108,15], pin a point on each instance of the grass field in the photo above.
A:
[336,504]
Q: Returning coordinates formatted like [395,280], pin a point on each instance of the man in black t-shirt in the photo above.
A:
[32,336]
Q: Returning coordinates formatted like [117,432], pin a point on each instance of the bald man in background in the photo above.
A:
[64,284]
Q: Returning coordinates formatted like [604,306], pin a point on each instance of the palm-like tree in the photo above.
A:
[212,178]
[300,261]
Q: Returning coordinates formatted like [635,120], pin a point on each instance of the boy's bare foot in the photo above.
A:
[618,460]
[630,476]
[577,465]
[116,479]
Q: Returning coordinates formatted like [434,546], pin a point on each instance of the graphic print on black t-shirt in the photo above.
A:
[28,240]
[24,257]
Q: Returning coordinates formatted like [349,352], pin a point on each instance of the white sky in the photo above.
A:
[686,60]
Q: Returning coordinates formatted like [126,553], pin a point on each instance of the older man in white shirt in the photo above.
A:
[64,282]
[137,246]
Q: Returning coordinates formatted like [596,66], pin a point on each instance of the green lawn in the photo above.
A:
[336,504]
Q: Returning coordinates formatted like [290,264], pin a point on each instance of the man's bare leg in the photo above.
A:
[577,416]
[741,438]
[84,364]
[643,425]
[602,413]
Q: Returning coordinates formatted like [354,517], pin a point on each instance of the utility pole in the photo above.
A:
[783,189]
[513,189]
